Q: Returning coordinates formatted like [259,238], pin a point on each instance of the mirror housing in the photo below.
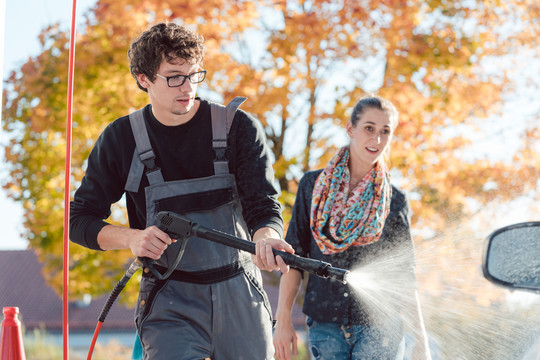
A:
[511,256]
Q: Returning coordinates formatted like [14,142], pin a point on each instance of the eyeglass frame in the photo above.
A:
[167,78]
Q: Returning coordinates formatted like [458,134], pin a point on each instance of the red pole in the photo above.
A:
[67,196]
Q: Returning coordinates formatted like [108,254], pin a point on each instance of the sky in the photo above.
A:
[24,20]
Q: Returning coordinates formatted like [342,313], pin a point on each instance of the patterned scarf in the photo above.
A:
[339,219]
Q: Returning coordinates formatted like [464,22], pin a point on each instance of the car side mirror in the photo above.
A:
[511,256]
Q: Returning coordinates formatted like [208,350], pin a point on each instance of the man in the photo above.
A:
[178,155]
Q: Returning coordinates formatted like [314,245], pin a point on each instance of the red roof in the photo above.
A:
[22,285]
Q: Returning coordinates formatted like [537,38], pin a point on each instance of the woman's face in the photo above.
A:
[370,137]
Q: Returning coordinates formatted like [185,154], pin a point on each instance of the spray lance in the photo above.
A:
[179,226]
[182,228]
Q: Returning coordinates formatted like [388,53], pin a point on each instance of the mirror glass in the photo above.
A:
[514,255]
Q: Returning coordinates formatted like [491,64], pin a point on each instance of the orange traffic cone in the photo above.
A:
[11,346]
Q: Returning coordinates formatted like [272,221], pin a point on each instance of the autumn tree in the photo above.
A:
[303,65]
[426,57]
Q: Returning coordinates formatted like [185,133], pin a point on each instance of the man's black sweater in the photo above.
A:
[183,152]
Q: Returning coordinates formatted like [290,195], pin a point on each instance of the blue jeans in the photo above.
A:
[334,341]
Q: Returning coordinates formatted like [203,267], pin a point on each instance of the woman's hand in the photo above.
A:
[285,340]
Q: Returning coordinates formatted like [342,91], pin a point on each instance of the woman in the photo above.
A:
[345,215]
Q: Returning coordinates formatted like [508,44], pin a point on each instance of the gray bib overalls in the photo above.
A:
[213,305]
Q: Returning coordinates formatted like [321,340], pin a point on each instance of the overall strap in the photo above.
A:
[143,156]
[222,118]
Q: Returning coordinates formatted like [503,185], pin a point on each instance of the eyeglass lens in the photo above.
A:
[179,80]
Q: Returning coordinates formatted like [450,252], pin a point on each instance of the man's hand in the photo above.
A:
[150,242]
[265,240]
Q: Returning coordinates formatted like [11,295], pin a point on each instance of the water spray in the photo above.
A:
[179,226]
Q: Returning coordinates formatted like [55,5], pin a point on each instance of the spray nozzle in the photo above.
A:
[337,274]
[177,225]
[316,267]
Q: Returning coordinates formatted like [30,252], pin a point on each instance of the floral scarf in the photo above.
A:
[340,219]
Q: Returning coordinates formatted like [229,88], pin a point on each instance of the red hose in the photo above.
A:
[94,338]
[65,291]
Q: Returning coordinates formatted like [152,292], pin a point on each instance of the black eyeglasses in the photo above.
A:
[179,80]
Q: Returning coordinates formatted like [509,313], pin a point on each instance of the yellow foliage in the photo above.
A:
[302,75]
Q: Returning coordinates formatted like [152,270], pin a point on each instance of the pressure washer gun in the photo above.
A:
[179,226]
[182,228]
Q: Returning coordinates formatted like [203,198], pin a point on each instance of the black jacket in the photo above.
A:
[328,300]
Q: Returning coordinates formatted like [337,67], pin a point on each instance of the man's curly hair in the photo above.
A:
[163,41]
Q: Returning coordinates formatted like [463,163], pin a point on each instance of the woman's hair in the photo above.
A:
[163,41]
[379,103]
[375,102]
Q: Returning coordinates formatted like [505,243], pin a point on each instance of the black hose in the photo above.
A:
[133,267]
